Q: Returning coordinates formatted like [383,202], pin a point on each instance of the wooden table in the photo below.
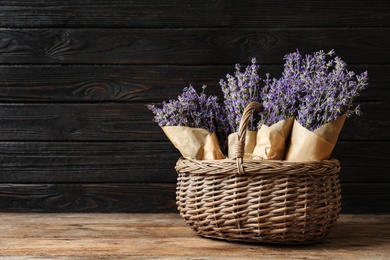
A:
[165,236]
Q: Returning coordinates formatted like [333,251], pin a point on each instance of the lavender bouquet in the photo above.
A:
[327,90]
[280,103]
[191,123]
[238,91]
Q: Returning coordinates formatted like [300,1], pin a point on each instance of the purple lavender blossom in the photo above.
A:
[238,91]
[190,109]
[326,88]
[280,99]
[193,110]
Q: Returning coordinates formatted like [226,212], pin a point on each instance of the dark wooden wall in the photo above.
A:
[75,78]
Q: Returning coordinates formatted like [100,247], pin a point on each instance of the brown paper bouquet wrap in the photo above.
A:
[314,145]
[250,143]
[194,143]
[271,140]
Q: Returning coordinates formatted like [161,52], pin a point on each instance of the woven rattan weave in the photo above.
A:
[256,200]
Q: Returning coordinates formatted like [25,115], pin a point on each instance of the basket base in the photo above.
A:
[268,235]
[273,202]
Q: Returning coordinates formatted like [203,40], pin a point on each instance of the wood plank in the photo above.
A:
[368,126]
[83,162]
[359,198]
[82,122]
[139,83]
[363,162]
[151,197]
[189,47]
[146,162]
[116,197]
[173,13]
[133,122]
[107,83]
[165,236]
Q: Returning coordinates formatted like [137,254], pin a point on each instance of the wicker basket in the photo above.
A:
[259,200]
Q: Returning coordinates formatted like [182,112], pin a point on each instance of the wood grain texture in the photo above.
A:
[75,78]
[84,162]
[87,83]
[165,236]
[133,122]
[66,121]
[145,162]
[365,197]
[90,197]
[150,197]
[189,47]
[363,162]
[173,13]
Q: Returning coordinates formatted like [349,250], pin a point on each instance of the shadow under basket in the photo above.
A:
[254,200]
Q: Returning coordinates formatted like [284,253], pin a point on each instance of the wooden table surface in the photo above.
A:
[165,236]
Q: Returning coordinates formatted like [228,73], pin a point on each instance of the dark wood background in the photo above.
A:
[76,76]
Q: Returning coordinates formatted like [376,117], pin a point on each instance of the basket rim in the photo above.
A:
[256,167]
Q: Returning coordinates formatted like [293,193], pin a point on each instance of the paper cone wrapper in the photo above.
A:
[313,146]
[271,140]
[194,143]
[250,143]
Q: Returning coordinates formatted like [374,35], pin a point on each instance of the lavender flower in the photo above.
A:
[326,88]
[194,110]
[238,91]
[190,109]
[280,99]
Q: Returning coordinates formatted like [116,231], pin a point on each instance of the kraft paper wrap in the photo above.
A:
[271,140]
[313,146]
[194,143]
[250,143]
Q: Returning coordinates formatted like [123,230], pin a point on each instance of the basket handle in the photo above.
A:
[249,109]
